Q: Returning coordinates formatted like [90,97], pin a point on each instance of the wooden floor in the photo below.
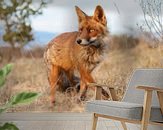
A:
[57,121]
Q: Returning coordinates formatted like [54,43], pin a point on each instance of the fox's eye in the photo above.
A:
[91,30]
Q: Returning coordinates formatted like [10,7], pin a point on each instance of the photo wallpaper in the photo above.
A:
[52,50]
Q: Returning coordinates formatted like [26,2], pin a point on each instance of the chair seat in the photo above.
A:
[131,111]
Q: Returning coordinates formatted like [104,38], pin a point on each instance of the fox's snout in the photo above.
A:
[84,42]
[78,41]
[85,36]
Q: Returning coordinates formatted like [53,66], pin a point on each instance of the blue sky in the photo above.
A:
[60,16]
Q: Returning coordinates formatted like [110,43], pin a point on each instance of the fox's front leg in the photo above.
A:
[53,77]
[83,90]
[83,85]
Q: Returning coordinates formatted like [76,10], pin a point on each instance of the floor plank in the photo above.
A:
[57,121]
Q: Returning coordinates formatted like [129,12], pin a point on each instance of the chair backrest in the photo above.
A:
[143,77]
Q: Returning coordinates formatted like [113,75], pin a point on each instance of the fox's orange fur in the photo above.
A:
[82,50]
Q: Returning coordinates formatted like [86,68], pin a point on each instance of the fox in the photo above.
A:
[81,50]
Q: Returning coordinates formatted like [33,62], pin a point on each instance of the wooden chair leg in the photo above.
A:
[94,121]
[98,91]
[146,109]
[113,94]
[160,98]
[124,125]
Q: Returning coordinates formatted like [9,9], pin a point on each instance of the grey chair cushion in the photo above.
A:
[131,111]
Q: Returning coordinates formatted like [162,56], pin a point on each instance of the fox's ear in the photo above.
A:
[80,13]
[99,15]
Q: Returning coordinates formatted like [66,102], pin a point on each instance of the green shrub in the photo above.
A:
[4,72]
[18,99]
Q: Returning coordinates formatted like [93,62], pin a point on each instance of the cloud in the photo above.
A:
[55,20]
[60,15]
[124,6]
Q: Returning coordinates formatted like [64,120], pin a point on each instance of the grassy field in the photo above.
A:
[125,54]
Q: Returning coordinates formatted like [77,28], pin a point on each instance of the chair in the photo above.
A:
[142,103]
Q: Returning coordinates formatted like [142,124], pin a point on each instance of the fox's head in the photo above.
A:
[92,29]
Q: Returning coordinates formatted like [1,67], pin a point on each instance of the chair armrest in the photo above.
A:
[148,101]
[147,88]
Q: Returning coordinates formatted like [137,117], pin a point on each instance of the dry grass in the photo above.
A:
[29,74]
